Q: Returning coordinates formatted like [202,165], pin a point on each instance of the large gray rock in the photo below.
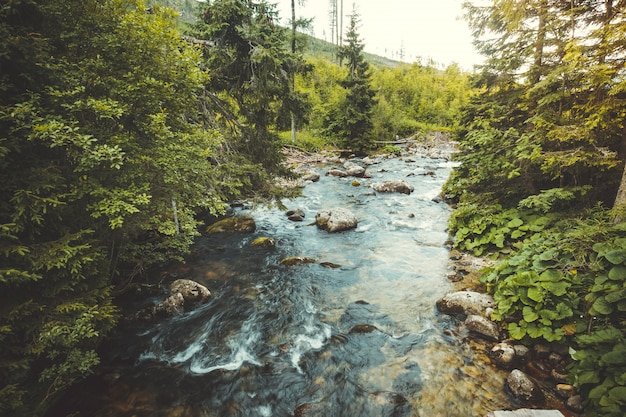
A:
[353,169]
[483,327]
[523,387]
[397,186]
[335,219]
[465,303]
[183,295]
[192,292]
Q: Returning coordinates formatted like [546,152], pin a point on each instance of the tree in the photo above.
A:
[250,73]
[351,123]
[100,133]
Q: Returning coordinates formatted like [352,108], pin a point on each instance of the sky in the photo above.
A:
[428,29]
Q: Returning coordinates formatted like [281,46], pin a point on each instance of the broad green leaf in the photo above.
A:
[616,256]
[534,331]
[514,223]
[617,357]
[618,273]
[616,296]
[618,393]
[529,314]
[557,288]
[535,294]
[516,332]
[551,275]
[602,306]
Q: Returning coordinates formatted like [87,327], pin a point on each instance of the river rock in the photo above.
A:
[311,176]
[353,169]
[173,305]
[397,186]
[297,260]
[465,303]
[263,242]
[504,354]
[296,215]
[237,224]
[523,387]
[575,403]
[337,173]
[192,292]
[483,327]
[335,219]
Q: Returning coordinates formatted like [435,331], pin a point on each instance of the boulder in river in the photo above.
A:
[504,354]
[396,186]
[353,169]
[523,387]
[263,242]
[297,260]
[183,293]
[337,173]
[192,292]
[335,219]
[236,224]
[483,327]
[295,215]
[465,303]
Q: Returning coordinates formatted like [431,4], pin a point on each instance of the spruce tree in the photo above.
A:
[352,122]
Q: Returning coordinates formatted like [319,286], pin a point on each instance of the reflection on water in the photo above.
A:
[362,339]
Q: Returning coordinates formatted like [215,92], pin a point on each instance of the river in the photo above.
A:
[354,334]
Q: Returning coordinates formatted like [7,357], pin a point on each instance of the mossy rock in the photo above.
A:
[243,224]
[263,242]
[297,260]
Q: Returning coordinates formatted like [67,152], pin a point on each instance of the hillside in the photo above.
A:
[313,47]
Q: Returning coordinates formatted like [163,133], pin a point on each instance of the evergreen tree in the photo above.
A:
[351,122]
[250,70]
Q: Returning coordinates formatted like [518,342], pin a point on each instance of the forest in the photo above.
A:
[125,124]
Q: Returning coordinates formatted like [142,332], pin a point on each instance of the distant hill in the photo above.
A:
[313,47]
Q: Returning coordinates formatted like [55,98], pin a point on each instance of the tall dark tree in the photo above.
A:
[351,123]
[250,69]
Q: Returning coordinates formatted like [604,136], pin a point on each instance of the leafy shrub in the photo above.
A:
[481,227]
[568,284]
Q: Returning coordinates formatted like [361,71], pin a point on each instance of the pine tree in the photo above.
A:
[351,123]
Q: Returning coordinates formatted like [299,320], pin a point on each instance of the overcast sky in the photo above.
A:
[422,28]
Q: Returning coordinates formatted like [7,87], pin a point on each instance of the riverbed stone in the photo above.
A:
[523,387]
[465,303]
[295,215]
[395,186]
[263,242]
[192,292]
[483,327]
[173,305]
[297,260]
[337,173]
[335,219]
[311,176]
[504,354]
[236,224]
[353,169]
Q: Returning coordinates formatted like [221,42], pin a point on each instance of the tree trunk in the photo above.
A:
[620,199]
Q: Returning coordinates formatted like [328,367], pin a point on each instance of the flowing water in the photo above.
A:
[354,334]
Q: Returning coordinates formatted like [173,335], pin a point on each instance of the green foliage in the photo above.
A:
[351,121]
[568,284]
[105,161]
[481,227]
[251,74]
